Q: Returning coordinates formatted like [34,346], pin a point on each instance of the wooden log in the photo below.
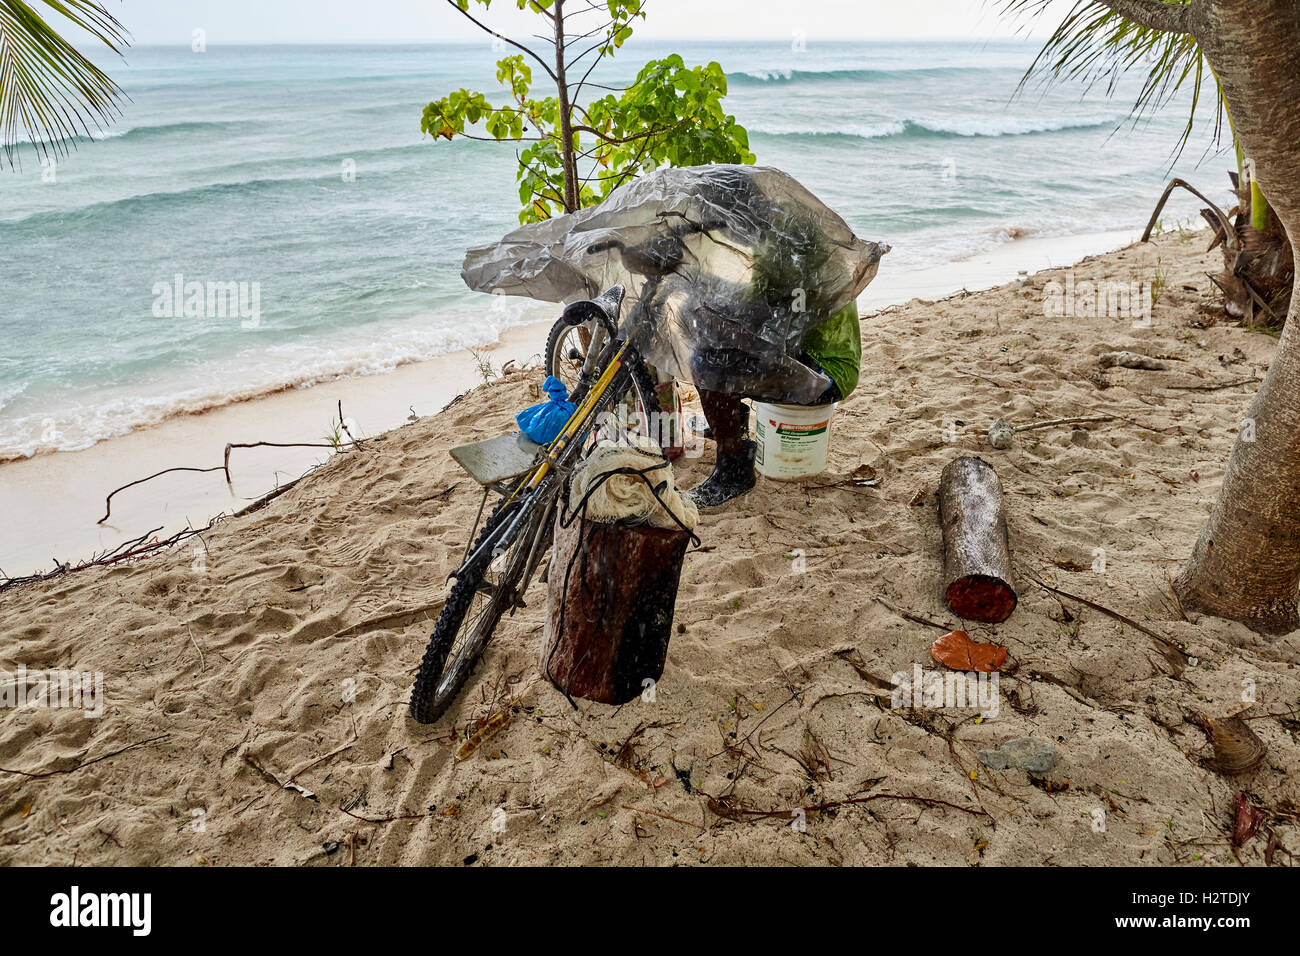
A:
[611,593]
[976,553]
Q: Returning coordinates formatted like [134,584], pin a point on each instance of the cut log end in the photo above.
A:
[977,555]
[981,597]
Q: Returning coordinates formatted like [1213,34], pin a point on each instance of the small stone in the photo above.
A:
[1001,433]
[1079,436]
[1024,753]
[1130,360]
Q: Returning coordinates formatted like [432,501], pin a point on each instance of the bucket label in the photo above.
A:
[800,431]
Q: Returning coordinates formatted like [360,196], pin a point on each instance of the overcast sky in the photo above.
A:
[356,21]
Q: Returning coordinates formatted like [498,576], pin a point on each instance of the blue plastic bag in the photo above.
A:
[543,422]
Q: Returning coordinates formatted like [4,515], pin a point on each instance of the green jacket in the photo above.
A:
[836,346]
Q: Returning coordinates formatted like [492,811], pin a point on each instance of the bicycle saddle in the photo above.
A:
[605,308]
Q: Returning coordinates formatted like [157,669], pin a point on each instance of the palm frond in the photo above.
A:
[50,92]
[1096,45]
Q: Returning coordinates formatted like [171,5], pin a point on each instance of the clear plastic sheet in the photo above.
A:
[726,269]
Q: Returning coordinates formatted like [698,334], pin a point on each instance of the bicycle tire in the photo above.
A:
[553,339]
[439,681]
[426,705]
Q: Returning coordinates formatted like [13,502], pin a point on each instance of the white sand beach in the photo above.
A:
[288,657]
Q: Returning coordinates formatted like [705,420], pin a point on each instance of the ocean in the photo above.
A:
[298,177]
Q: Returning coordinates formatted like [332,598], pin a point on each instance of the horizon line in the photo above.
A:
[468,41]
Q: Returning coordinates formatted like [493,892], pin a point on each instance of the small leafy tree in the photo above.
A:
[580,146]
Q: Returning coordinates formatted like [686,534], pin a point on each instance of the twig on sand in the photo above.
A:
[794,694]
[914,618]
[455,400]
[87,763]
[319,760]
[664,816]
[282,784]
[1080,420]
[981,376]
[722,808]
[1112,614]
[270,496]
[202,662]
[108,501]
[343,424]
[407,816]
[1215,387]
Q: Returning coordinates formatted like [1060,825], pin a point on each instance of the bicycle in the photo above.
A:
[571,347]
[498,568]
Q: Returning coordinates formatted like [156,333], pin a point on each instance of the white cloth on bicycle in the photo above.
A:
[621,497]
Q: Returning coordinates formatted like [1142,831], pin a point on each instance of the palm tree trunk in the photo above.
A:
[1246,564]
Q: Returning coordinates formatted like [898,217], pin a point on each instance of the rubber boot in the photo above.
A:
[733,475]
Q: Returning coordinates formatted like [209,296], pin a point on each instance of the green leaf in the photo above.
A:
[671,114]
[1095,45]
[48,89]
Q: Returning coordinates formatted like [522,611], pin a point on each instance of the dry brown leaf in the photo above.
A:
[1248,820]
[956,650]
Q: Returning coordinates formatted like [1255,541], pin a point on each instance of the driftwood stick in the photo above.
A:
[723,808]
[108,502]
[1214,388]
[914,618]
[663,816]
[319,760]
[87,763]
[405,816]
[1080,420]
[1123,619]
[267,444]
[344,425]
[267,498]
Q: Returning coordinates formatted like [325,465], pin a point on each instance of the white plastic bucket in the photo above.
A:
[792,439]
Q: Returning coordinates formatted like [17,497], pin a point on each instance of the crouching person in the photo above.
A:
[833,349]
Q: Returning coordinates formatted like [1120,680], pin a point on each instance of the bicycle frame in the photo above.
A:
[530,487]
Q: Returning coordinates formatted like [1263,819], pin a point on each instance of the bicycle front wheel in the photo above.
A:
[493,582]
[481,596]
[637,412]
[567,347]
